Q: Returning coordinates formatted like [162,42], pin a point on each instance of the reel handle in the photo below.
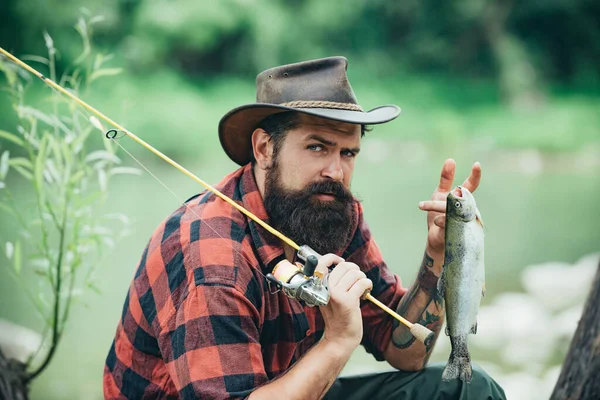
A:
[310,265]
[273,280]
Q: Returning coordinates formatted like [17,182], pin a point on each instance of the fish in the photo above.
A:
[462,281]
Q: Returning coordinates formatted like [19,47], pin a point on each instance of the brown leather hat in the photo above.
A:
[318,87]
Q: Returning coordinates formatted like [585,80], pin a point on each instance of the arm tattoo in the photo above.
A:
[400,334]
[425,285]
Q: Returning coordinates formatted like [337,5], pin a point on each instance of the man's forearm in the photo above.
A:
[422,304]
[310,377]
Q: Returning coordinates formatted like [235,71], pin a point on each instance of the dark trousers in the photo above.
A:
[425,384]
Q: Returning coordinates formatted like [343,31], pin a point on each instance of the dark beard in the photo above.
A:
[325,226]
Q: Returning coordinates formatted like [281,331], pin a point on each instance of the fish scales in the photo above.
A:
[462,283]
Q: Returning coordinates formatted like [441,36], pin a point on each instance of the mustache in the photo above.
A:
[334,188]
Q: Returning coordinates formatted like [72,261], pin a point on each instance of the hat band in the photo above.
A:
[323,104]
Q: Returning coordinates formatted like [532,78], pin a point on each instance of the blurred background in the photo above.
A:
[513,85]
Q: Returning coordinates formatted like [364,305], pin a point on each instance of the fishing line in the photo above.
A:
[111,134]
[421,332]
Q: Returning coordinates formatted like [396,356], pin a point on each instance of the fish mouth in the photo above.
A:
[458,192]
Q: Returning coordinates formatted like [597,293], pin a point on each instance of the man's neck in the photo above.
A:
[260,178]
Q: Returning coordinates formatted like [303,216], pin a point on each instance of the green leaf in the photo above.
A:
[102,180]
[102,155]
[26,174]
[79,141]
[101,59]
[110,146]
[39,163]
[31,57]
[105,72]
[11,137]
[81,28]
[10,250]
[22,162]
[49,43]
[76,177]
[66,152]
[125,170]
[37,115]
[56,152]
[9,71]
[96,19]
[4,164]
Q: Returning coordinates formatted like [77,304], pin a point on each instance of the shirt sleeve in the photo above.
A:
[387,288]
[211,346]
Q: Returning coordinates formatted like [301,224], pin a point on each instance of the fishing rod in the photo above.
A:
[296,281]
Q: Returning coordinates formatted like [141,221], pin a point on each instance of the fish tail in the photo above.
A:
[459,363]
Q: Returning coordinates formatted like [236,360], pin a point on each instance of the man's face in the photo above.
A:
[318,150]
[307,188]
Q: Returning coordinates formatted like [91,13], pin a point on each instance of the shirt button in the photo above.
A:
[308,332]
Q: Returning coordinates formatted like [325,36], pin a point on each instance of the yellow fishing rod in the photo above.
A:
[420,332]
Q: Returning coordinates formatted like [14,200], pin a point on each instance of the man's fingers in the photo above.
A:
[348,280]
[472,182]
[433,205]
[447,176]
[339,271]
[326,261]
[440,221]
[360,287]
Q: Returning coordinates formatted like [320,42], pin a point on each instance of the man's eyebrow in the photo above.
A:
[330,143]
[321,139]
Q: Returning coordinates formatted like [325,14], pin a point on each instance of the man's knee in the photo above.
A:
[487,384]
[424,384]
[481,386]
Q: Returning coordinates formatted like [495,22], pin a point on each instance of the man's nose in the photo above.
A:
[334,170]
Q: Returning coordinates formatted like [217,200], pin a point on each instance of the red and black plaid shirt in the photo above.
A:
[199,320]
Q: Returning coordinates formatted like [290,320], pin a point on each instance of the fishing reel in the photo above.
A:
[301,282]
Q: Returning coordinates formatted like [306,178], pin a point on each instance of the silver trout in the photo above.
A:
[462,282]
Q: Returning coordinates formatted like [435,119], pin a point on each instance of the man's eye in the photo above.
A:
[315,147]
[349,153]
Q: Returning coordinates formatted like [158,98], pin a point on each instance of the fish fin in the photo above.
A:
[474,328]
[458,367]
[459,363]
[478,218]
[483,289]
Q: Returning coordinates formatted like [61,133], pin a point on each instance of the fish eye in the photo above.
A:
[457,204]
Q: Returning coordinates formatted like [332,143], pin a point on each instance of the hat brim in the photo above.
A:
[236,127]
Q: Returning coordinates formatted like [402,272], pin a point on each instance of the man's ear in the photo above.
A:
[262,146]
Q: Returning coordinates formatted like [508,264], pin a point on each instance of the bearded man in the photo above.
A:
[200,320]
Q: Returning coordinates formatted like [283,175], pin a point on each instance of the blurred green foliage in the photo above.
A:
[492,71]
[57,239]
[559,38]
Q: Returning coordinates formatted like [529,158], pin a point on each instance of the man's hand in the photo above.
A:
[343,320]
[436,207]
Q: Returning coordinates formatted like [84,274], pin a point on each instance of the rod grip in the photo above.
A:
[422,334]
